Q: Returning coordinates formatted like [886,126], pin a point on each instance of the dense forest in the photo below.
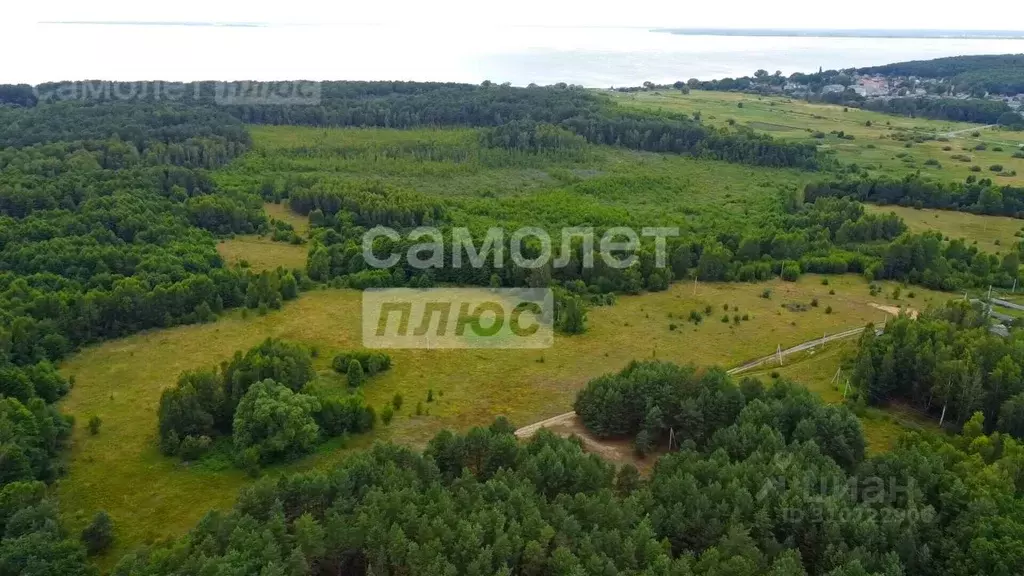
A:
[1003,74]
[946,362]
[107,223]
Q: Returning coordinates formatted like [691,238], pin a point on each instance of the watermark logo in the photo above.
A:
[528,248]
[842,499]
[246,93]
[436,318]
[289,93]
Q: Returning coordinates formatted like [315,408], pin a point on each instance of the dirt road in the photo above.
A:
[569,418]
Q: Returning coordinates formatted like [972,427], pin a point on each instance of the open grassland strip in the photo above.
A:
[879,142]
[992,234]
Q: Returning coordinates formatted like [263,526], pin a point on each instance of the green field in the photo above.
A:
[261,253]
[152,496]
[873,146]
[994,234]
[281,212]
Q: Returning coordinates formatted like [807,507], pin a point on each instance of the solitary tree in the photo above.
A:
[99,534]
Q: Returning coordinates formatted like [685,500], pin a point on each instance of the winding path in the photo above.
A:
[966,130]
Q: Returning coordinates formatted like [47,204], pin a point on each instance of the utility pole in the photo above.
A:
[694,284]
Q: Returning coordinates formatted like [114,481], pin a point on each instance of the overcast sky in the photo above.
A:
[888,14]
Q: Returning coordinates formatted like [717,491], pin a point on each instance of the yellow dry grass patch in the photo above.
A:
[262,253]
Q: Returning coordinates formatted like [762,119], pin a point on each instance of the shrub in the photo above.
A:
[746,317]
[430,395]
[766,293]
[725,319]
[814,302]
[932,162]
[695,317]
[672,327]
[397,401]
[947,148]
[824,281]
[828,309]
[99,534]
[355,373]
[371,362]
[832,292]
[975,168]
[193,447]
[790,271]
[347,415]
[387,414]
[775,374]
[707,310]
[94,424]
[975,134]
[996,167]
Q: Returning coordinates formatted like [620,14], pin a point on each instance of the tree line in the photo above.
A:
[979,196]
[953,109]
[409,105]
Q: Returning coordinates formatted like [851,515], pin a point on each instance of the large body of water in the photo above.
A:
[593,57]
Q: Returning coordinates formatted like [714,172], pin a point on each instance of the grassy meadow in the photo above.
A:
[994,234]
[873,146]
[262,253]
[122,471]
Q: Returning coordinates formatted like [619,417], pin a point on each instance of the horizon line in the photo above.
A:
[662,28]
